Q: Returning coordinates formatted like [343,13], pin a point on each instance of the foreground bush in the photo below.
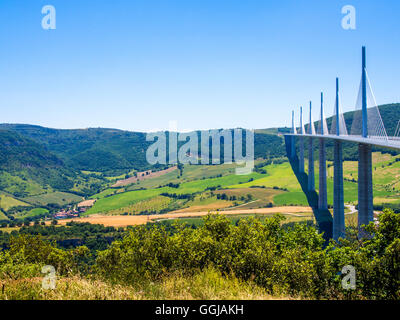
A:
[28,254]
[253,259]
[290,261]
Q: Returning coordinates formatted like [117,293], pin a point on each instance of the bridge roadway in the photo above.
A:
[391,142]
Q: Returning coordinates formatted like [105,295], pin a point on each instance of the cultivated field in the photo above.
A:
[143,176]
[124,221]
[60,198]
[7,202]
[277,186]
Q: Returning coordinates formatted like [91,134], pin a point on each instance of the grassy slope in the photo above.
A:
[7,202]
[15,184]
[31,213]
[3,216]
[205,285]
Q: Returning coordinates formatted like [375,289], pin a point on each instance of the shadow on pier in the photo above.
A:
[323,217]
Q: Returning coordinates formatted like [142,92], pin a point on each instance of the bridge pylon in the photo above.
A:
[323,193]
[291,142]
[365,188]
[301,143]
[311,174]
[338,195]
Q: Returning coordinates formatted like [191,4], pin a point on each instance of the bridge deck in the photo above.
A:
[391,143]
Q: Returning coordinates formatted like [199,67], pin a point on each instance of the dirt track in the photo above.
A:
[123,221]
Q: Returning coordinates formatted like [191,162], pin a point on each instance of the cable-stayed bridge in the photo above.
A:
[367,130]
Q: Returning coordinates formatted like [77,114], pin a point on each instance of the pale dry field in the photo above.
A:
[124,221]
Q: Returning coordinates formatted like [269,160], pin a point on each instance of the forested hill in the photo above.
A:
[18,152]
[94,149]
[99,149]
[103,150]
[23,161]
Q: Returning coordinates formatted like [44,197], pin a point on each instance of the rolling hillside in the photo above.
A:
[45,167]
[27,167]
[106,150]
[94,149]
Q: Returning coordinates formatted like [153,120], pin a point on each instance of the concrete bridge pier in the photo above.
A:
[301,155]
[292,140]
[293,147]
[365,189]
[322,194]
[311,175]
[301,143]
[338,196]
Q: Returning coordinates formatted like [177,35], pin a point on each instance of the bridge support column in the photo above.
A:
[293,147]
[323,196]
[338,196]
[301,155]
[311,175]
[365,189]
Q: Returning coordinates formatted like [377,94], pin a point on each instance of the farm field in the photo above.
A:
[3,216]
[31,213]
[7,202]
[215,187]
[143,176]
[145,206]
[124,221]
[276,186]
[125,199]
[190,173]
[60,198]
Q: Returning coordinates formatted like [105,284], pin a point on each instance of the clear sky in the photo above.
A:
[139,64]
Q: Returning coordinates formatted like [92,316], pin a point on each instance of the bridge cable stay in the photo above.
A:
[342,123]
[376,128]
[374,114]
[397,131]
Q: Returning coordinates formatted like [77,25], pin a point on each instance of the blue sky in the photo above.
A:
[138,64]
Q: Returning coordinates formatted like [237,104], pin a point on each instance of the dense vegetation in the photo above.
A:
[290,261]
[93,236]
[29,160]
[108,150]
